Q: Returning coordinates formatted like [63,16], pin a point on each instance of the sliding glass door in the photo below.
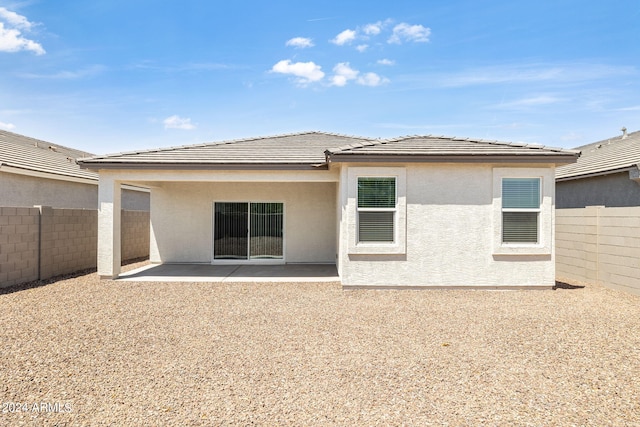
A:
[248,231]
[230,231]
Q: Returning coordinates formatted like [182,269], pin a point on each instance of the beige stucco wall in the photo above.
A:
[182,217]
[28,191]
[451,234]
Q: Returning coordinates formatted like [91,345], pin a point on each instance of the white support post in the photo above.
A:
[109,202]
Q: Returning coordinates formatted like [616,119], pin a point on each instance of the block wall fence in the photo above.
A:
[599,245]
[42,242]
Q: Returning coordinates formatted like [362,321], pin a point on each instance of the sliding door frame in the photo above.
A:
[248,260]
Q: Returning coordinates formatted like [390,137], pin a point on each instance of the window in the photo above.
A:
[377,205]
[520,210]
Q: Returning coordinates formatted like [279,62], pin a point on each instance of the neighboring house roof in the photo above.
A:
[30,156]
[618,154]
[444,148]
[317,149]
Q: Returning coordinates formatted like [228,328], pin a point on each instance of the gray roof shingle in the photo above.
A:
[606,156]
[30,154]
[313,149]
[451,147]
[302,150]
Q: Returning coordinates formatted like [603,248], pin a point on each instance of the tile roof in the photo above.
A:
[30,154]
[450,147]
[613,154]
[300,150]
[313,149]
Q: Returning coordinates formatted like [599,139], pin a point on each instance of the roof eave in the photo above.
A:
[96,166]
[4,167]
[598,173]
[557,158]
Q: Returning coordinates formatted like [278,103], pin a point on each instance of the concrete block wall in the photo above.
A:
[43,242]
[135,234]
[576,244]
[599,245]
[18,245]
[69,241]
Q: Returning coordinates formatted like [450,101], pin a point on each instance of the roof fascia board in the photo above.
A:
[364,158]
[596,174]
[96,166]
[47,175]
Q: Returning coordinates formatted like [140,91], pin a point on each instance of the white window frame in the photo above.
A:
[398,246]
[545,241]
[536,210]
[394,209]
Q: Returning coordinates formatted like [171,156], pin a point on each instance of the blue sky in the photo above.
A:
[109,76]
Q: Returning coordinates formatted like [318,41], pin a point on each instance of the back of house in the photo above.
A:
[418,211]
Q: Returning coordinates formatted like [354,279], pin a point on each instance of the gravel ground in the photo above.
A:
[120,353]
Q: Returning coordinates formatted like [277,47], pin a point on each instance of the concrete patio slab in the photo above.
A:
[232,273]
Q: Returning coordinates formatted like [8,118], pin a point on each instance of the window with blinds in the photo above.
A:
[520,210]
[377,202]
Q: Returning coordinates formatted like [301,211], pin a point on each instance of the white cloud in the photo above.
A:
[306,72]
[347,36]
[343,73]
[362,47]
[177,122]
[299,42]
[15,20]
[386,62]
[373,29]
[409,33]
[371,79]
[533,101]
[8,126]
[11,37]
[11,40]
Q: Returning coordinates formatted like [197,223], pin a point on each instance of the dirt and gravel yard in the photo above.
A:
[86,352]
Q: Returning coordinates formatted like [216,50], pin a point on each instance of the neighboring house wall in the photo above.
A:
[613,190]
[39,243]
[453,216]
[599,245]
[28,191]
[182,218]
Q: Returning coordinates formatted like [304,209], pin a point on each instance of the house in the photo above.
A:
[35,172]
[417,211]
[606,174]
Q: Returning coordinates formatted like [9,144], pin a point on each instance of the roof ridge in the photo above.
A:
[604,156]
[608,141]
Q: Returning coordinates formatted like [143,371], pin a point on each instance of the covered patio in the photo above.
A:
[181,272]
